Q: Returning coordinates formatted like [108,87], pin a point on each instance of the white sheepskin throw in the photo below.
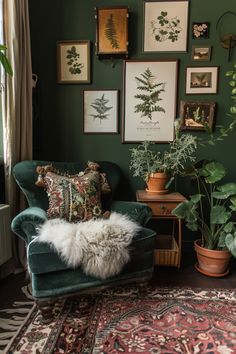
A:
[99,246]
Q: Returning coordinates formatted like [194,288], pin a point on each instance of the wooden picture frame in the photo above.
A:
[149,101]
[112,31]
[196,115]
[201,80]
[201,52]
[73,62]
[100,111]
[165,26]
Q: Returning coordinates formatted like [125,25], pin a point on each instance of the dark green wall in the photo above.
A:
[59,121]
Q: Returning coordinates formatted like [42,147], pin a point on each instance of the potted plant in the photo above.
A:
[210,211]
[158,169]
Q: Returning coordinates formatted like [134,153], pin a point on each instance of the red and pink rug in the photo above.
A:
[165,320]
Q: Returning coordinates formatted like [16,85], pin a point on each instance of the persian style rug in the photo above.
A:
[163,320]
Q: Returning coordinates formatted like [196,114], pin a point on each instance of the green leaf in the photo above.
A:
[233,110]
[229,73]
[229,227]
[233,203]
[213,172]
[6,64]
[233,91]
[230,241]
[232,83]
[219,215]
[225,191]
[196,198]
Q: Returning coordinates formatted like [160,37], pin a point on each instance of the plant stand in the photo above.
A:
[168,247]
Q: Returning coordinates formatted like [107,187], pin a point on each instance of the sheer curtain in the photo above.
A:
[17,105]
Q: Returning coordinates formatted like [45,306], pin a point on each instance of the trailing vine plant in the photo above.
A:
[100,106]
[73,63]
[166,28]
[149,100]
[110,32]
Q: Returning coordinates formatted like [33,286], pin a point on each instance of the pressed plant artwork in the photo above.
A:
[112,31]
[150,94]
[165,26]
[73,60]
[197,115]
[202,80]
[100,109]
[75,66]
[149,109]
[200,30]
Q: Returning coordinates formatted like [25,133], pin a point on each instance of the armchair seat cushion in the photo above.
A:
[43,259]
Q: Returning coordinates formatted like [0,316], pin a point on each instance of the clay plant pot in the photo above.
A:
[156,183]
[211,262]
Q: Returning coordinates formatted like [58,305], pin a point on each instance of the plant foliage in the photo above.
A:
[150,95]
[4,60]
[110,32]
[211,209]
[180,153]
[100,106]
[73,62]
[166,28]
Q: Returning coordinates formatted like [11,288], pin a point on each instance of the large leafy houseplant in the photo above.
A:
[145,160]
[210,210]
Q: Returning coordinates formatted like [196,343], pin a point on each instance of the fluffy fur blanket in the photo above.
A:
[99,246]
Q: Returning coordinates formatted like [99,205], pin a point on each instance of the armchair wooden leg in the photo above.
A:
[46,310]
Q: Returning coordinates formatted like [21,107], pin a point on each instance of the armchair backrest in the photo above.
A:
[25,175]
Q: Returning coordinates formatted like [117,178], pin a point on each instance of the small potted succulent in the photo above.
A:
[158,169]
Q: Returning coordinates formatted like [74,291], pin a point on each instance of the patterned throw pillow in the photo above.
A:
[76,198]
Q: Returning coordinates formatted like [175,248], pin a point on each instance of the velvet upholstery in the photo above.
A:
[51,277]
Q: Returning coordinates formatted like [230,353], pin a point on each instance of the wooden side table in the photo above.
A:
[168,247]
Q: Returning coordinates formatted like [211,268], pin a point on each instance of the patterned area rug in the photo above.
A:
[164,320]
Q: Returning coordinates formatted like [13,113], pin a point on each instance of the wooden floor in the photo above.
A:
[186,276]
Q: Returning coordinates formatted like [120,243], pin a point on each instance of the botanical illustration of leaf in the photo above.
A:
[73,61]
[100,106]
[111,33]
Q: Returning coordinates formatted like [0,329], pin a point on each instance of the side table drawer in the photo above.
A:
[162,208]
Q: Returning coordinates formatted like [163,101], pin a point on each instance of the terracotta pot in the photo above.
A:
[211,262]
[156,183]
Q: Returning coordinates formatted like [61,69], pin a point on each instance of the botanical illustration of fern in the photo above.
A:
[151,96]
[101,108]
[110,32]
[73,56]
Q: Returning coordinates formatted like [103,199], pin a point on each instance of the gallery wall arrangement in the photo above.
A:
[111,77]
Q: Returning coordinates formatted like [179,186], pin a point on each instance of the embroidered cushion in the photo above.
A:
[75,198]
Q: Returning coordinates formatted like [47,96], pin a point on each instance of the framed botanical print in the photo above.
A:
[165,26]
[200,30]
[201,53]
[73,62]
[202,80]
[149,101]
[100,110]
[112,31]
[197,115]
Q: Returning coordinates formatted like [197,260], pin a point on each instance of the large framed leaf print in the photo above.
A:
[165,26]
[149,101]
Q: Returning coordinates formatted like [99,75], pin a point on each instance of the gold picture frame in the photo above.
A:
[73,62]
[112,32]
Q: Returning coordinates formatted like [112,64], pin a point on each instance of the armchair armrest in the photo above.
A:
[139,212]
[25,224]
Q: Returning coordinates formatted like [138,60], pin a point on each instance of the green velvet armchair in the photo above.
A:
[51,277]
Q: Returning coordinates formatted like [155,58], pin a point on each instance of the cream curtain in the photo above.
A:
[17,104]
